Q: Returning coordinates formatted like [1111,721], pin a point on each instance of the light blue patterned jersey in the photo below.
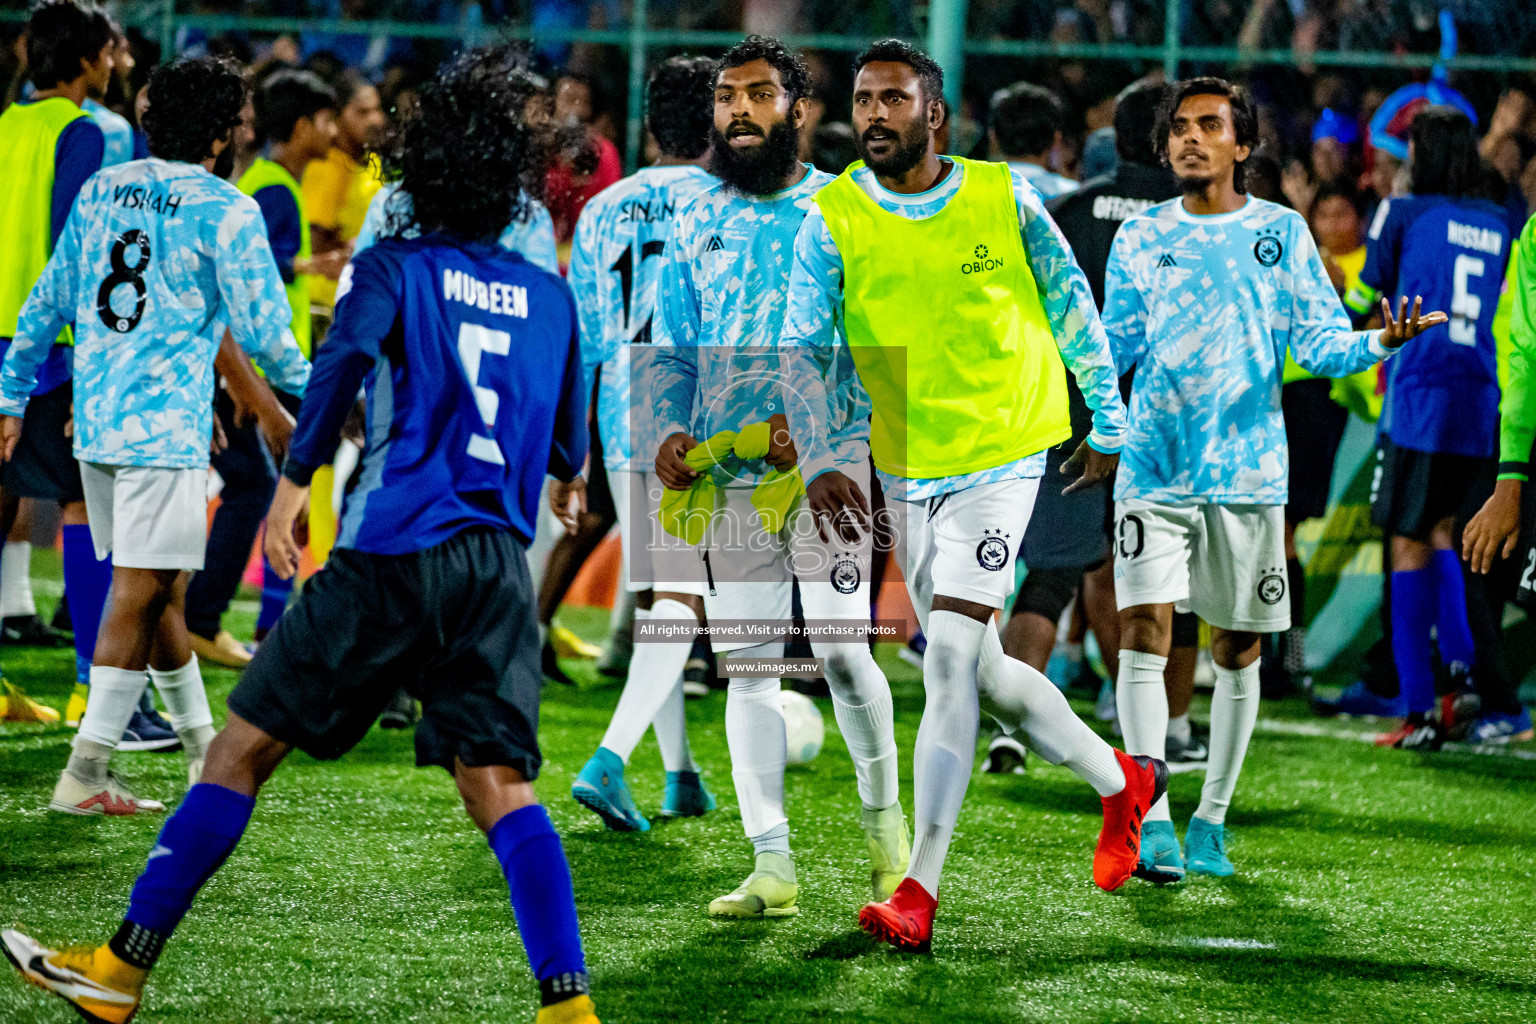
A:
[1046,181]
[116,132]
[616,260]
[156,260]
[815,310]
[1204,309]
[721,304]
[533,237]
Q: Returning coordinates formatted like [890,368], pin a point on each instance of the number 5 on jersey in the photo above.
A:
[474,341]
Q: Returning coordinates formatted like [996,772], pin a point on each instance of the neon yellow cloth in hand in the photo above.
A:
[686,514]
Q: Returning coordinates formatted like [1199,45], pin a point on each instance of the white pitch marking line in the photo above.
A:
[1222,943]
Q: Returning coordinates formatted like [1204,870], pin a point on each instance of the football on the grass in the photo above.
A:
[804,731]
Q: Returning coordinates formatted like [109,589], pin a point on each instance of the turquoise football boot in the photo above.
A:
[1160,861]
[686,797]
[1205,849]
[600,788]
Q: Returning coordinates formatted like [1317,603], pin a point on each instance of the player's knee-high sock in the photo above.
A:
[1234,710]
[655,671]
[861,702]
[186,702]
[115,693]
[1142,703]
[671,725]
[1453,630]
[194,843]
[16,580]
[1020,697]
[275,592]
[946,741]
[671,720]
[1296,636]
[322,516]
[754,733]
[543,901]
[87,579]
[1413,612]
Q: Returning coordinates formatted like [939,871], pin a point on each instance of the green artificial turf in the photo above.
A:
[1372,886]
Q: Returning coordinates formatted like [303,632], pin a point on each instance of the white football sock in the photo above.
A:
[1234,710]
[655,670]
[1142,704]
[1020,697]
[671,726]
[546,532]
[186,705]
[754,734]
[114,695]
[1178,728]
[775,840]
[16,580]
[946,741]
[861,702]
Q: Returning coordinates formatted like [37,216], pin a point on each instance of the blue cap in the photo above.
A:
[1333,125]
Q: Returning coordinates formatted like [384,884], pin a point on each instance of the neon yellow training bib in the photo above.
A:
[944,322]
[265,173]
[29,140]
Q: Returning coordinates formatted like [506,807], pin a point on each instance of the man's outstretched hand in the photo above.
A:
[837,500]
[1407,326]
[1090,466]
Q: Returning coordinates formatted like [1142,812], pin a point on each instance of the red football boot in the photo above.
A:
[905,920]
[1146,779]
[1395,737]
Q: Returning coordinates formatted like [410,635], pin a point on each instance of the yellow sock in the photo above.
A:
[322,517]
[575,1010]
[115,972]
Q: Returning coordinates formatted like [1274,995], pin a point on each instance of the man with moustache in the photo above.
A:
[1204,295]
[960,301]
[719,314]
[1066,548]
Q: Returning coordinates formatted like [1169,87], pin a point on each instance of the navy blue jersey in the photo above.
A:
[1443,387]
[472,368]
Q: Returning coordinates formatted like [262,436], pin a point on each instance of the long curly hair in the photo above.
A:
[473,149]
[193,103]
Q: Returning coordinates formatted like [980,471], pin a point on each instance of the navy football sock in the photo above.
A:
[274,598]
[192,846]
[87,580]
[529,850]
[1452,629]
[1413,611]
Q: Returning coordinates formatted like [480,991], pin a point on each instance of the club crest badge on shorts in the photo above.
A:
[992,552]
[845,575]
[1272,587]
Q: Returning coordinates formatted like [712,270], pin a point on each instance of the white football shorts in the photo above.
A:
[1226,563]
